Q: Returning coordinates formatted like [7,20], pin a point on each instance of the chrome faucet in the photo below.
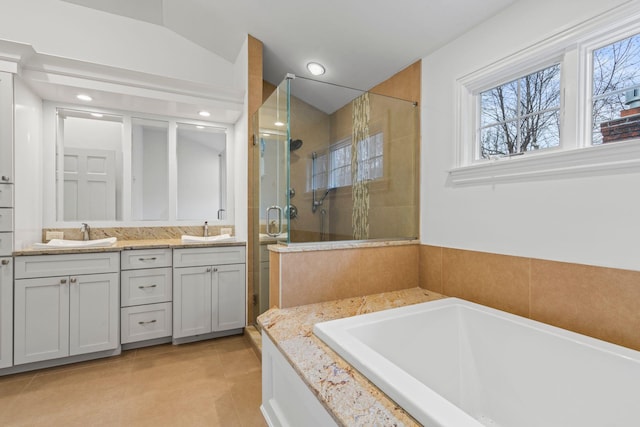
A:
[206,229]
[85,229]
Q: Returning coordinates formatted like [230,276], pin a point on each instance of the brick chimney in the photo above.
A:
[628,125]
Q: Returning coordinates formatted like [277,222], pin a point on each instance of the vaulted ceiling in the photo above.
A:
[360,42]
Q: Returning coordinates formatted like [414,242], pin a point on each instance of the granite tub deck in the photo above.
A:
[348,396]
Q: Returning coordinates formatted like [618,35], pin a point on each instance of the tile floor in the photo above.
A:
[209,383]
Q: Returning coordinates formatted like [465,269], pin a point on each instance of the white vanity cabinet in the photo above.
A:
[209,290]
[146,295]
[6,128]
[6,164]
[65,305]
[6,312]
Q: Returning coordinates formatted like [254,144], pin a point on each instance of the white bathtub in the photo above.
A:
[456,364]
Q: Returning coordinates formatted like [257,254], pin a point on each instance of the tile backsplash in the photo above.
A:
[138,233]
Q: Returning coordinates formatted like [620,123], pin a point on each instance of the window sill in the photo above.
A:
[618,157]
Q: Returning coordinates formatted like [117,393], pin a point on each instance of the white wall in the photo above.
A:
[70,31]
[28,175]
[588,220]
[238,152]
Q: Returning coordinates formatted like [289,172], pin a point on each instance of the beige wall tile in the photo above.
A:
[388,269]
[596,301]
[310,277]
[274,279]
[430,271]
[494,280]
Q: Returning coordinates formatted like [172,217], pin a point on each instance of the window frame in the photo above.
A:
[573,50]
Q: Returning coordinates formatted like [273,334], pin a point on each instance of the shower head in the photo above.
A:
[294,144]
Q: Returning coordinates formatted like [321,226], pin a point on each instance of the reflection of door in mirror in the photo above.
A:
[89,166]
[89,184]
[201,163]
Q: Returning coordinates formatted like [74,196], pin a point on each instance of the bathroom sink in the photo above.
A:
[201,239]
[63,244]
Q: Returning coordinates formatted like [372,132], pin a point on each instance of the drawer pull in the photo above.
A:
[144,323]
[147,259]
[5,262]
[147,286]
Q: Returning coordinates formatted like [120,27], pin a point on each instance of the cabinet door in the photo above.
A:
[191,301]
[94,313]
[6,127]
[41,329]
[228,297]
[6,312]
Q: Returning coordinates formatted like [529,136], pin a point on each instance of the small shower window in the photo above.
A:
[370,165]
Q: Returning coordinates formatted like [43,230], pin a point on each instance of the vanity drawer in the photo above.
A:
[193,257]
[145,258]
[146,286]
[6,195]
[6,219]
[65,265]
[6,244]
[145,322]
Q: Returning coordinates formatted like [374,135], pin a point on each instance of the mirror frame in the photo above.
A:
[52,145]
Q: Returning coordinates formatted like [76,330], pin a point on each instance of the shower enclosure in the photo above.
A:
[335,163]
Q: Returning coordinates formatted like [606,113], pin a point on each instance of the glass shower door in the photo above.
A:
[273,141]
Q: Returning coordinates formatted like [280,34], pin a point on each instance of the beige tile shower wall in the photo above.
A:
[317,276]
[312,127]
[595,301]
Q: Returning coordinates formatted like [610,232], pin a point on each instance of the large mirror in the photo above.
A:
[201,159]
[123,168]
[89,170]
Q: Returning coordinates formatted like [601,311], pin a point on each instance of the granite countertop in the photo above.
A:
[348,396]
[121,245]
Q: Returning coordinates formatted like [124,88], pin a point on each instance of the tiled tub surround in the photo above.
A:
[335,270]
[348,396]
[596,301]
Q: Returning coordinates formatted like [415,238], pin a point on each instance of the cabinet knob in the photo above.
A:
[6,178]
[63,281]
[208,269]
[5,262]
[73,280]
[215,270]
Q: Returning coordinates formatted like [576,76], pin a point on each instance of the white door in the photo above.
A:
[6,127]
[94,312]
[228,297]
[191,301]
[6,312]
[41,329]
[89,184]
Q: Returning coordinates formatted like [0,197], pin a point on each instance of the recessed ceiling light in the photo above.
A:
[84,97]
[315,68]
[279,123]
[97,114]
[204,113]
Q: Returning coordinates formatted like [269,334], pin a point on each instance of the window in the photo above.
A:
[334,169]
[521,115]
[616,85]
[370,161]
[565,97]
